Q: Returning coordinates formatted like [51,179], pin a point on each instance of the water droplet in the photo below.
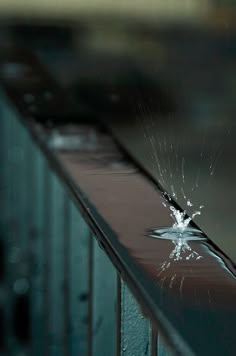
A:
[189,203]
[173,192]
[196,213]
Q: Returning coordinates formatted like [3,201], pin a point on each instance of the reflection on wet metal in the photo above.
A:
[173,233]
[181,250]
[188,274]
[84,140]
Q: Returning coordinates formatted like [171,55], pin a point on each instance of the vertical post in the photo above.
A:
[56,269]
[78,278]
[6,126]
[16,234]
[47,251]
[2,242]
[37,251]
[12,253]
[21,220]
[66,248]
[135,329]
[104,304]
[4,228]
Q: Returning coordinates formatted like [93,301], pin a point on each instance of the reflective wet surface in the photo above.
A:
[189,279]
[173,233]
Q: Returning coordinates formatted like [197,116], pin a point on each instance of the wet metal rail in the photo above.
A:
[75,215]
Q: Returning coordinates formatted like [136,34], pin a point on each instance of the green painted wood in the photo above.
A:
[39,167]
[20,168]
[46,250]
[5,213]
[3,160]
[6,117]
[135,329]
[22,217]
[56,268]
[78,277]
[11,229]
[70,274]
[15,229]
[104,304]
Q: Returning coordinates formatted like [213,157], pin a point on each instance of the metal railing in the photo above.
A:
[62,288]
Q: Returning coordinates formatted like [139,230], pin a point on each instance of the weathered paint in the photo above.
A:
[104,304]
[135,329]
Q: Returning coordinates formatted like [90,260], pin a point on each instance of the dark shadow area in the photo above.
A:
[21,319]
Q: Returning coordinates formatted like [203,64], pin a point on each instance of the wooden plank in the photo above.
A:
[56,268]
[37,252]
[78,275]
[104,304]
[135,329]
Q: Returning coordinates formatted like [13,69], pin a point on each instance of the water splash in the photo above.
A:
[181,250]
[180,233]
[173,233]
[181,228]
[189,203]
[181,219]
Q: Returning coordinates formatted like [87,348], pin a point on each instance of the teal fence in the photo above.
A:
[60,293]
